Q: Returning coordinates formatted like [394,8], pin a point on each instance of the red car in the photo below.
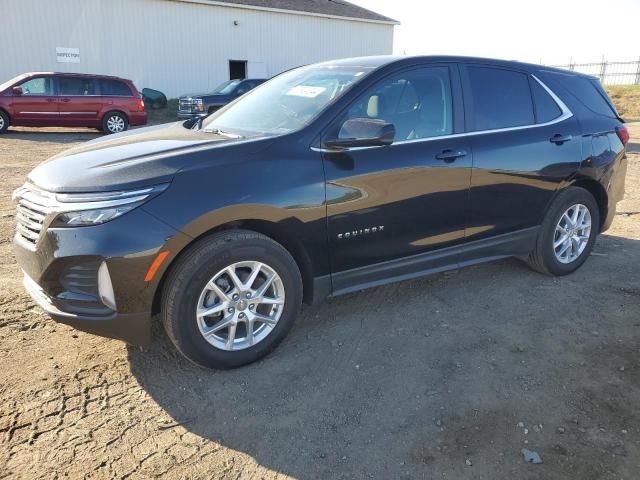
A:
[70,100]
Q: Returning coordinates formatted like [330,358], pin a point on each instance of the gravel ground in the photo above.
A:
[445,377]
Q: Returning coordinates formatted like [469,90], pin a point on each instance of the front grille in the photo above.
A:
[186,105]
[33,207]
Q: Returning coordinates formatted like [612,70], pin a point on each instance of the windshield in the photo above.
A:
[8,83]
[226,87]
[286,103]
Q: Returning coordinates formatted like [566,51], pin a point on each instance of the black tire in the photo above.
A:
[4,122]
[197,266]
[543,258]
[118,117]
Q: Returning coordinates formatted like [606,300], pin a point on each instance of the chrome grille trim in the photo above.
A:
[34,205]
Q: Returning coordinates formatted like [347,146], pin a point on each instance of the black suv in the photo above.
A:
[199,105]
[327,179]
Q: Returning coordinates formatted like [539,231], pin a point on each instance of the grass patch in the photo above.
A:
[627,100]
[163,115]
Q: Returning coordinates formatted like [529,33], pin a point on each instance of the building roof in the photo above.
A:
[331,8]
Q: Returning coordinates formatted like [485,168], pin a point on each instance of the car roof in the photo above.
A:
[70,74]
[385,60]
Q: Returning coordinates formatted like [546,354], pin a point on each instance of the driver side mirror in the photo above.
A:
[17,90]
[363,132]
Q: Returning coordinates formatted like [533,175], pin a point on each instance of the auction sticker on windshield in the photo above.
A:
[306,91]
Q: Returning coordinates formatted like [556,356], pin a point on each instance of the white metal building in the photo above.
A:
[180,46]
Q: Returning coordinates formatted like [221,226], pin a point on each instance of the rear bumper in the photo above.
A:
[137,118]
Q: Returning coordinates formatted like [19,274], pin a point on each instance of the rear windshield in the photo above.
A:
[588,91]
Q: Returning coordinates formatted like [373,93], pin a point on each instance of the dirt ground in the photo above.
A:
[444,377]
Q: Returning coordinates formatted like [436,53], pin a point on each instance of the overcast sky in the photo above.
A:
[547,31]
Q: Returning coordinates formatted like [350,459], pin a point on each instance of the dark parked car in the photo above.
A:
[326,180]
[199,105]
[70,100]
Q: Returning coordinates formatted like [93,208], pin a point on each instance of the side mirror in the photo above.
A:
[363,132]
[17,90]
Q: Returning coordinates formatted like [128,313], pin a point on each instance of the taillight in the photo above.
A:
[623,134]
[140,105]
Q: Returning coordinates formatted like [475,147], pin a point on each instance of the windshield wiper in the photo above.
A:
[217,131]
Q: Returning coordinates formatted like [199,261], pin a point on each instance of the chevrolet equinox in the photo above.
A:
[325,180]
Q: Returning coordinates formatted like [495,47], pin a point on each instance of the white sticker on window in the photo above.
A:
[305,91]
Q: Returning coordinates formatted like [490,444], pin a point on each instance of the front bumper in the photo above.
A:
[61,273]
[189,115]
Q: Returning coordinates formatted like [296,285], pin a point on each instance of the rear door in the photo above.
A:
[525,143]
[79,101]
[37,105]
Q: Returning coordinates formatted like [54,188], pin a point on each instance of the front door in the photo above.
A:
[400,203]
[36,106]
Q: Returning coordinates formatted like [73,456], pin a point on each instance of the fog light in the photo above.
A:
[105,288]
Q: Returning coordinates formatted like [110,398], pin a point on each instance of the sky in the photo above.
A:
[551,32]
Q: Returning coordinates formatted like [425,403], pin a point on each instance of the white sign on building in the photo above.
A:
[68,55]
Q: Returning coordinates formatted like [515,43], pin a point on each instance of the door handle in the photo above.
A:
[65,100]
[560,139]
[451,155]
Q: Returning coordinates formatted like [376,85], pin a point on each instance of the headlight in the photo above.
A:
[83,209]
[199,105]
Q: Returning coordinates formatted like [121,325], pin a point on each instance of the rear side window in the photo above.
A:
[499,98]
[115,88]
[76,86]
[585,90]
[546,107]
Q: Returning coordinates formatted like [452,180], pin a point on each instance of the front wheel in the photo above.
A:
[231,299]
[567,234]
[114,122]
[4,122]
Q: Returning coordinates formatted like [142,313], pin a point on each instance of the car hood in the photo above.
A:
[141,157]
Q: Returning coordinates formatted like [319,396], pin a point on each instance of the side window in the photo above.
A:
[115,88]
[546,107]
[76,86]
[499,98]
[243,88]
[585,90]
[36,86]
[417,102]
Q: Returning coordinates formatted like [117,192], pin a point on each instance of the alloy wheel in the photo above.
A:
[115,124]
[1,123]
[572,233]
[240,306]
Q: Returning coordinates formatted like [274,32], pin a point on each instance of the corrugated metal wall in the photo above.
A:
[173,46]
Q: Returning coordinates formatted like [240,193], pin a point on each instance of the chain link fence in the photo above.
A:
[609,73]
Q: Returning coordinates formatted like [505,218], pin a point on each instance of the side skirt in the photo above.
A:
[513,244]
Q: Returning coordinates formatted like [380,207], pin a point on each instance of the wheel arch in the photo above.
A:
[4,110]
[599,193]
[114,110]
[268,228]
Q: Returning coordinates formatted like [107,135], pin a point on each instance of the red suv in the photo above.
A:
[70,100]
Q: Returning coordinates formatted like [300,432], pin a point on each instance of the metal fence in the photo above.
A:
[609,73]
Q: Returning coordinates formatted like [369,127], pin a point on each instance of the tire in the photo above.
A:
[544,258]
[4,122]
[114,122]
[191,277]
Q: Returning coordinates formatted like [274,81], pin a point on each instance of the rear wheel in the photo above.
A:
[567,234]
[4,122]
[114,122]
[231,299]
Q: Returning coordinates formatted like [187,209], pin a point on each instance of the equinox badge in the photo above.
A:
[362,231]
